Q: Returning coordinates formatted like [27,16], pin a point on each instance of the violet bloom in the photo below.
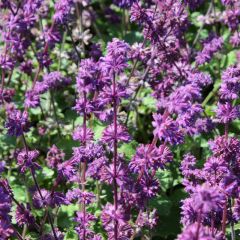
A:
[81,197]
[188,165]
[230,86]
[147,219]
[189,212]
[50,236]
[148,157]
[62,10]
[235,39]
[67,170]
[87,153]
[115,61]
[124,3]
[26,67]
[228,2]
[107,96]
[214,170]
[84,223]
[167,129]
[78,134]
[82,107]
[94,168]
[17,122]
[23,216]
[110,215]
[108,176]
[149,186]
[199,78]
[51,36]
[26,160]
[6,230]
[109,137]
[88,78]
[55,80]
[201,233]
[227,112]
[211,45]
[55,156]
[6,95]
[207,199]
[32,99]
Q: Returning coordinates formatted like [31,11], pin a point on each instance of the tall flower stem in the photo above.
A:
[115,156]
[39,191]
[84,164]
[224,215]
[41,196]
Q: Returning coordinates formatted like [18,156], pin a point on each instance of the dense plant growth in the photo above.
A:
[120,119]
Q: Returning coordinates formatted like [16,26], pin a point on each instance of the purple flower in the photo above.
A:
[5,200]
[124,3]
[227,112]
[147,219]
[84,107]
[62,10]
[148,157]
[80,136]
[188,165]
[110,215]
[94,168]
[67,169]
[207,199]
[107,96]
[26,67]
[235,39]
[195,231]
[55,80]
[6,230]
[84,222]
[215,169]
[88,78]
[149,186]
[107,175]
[51,36]
[26,160]
[199,78]
[121,135]
[230,86]
[167,129]
[6,95]
[55,156]
[228,2]
[211,45]
[80,196]
[23,216]
[87,153]
[139,14]
[115,61]
[17,122]
[32,99]
[47,198]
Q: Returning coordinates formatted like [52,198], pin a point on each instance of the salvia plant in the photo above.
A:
[120,119]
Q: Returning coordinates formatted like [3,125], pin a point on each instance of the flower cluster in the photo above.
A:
[106,110]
